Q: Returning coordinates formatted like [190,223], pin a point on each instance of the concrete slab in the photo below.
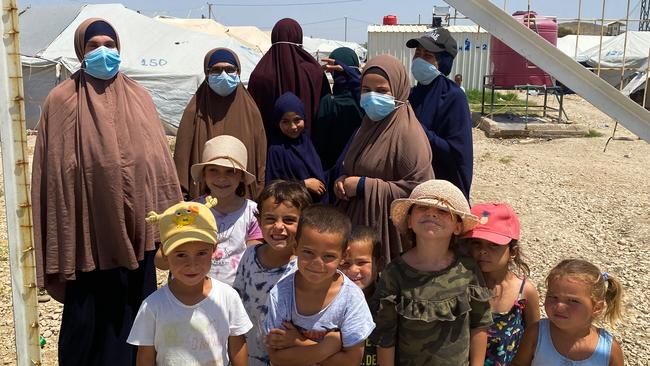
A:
[509,126]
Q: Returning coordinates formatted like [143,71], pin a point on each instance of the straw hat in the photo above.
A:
[225,151]
[437,193]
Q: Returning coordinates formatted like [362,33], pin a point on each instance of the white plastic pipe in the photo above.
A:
[17,192]
[553,61]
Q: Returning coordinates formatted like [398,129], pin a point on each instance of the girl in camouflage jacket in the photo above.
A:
[432,307]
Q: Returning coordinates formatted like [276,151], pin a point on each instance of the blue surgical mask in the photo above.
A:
[102,63]
[223,84]
[423,71]
[377,105]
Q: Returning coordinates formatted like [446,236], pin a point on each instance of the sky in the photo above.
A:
[326,19]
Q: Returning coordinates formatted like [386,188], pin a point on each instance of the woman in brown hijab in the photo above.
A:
[388,156]
[101,162]
[221,106]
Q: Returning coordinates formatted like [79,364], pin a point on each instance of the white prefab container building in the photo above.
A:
[472,61]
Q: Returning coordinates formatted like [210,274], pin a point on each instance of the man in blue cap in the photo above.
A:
[441,107]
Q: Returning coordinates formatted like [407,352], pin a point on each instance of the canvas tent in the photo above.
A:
[611,56]
[252,37]
[166,60]
[207,26]
[567,44]
[321,48]
[258,39]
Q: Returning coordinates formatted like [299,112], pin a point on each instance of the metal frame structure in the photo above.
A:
[644,17]
[556,91]
[533,47]
[602,21]
[17,191]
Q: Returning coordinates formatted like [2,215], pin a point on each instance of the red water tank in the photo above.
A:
[510,68]
[390,20]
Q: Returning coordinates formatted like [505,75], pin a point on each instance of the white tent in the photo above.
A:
[611,56]
[207,26]
[321,48]
[567,44]
[251,36]
[259,40]
[165,59]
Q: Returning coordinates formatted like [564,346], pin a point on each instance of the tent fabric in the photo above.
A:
[567,44]
[37,34]
[207,26]
[259,40]
[321,48]
[252,37]
[611,56]
[164,55]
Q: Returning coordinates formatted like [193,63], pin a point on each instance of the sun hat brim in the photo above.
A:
[197,170]
[400,207]
[495,238]
[202,235]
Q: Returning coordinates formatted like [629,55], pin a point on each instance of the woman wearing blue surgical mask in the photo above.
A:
[221,106]
[101,162]
[442,108]
[101,56]
[387,157]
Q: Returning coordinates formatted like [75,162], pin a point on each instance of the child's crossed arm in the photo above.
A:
[287,347]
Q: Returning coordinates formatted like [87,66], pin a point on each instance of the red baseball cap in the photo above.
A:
[498,223]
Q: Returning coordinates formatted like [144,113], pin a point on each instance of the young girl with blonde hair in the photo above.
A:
[578,294]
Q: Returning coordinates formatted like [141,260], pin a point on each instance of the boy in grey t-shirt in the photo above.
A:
[262,266]
[317,315]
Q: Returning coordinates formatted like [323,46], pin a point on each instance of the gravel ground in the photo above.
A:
[574,200]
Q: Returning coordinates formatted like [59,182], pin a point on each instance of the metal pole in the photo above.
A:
[209,11]
[627,18]
[528,44]
[602,30]
[575,56]
[592,20]
[17,191]
[346,29]
[645,90]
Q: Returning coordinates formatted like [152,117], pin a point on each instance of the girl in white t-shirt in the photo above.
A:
[223,169]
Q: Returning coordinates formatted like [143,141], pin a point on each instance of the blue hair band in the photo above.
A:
[99,28]
[222,56]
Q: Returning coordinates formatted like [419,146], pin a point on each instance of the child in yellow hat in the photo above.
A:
[193,319]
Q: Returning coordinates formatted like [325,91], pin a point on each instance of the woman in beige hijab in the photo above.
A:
[388,156]
[101,162]
[221,106]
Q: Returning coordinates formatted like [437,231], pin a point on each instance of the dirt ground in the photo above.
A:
[574,200]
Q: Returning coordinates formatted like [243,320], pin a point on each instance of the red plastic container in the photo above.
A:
[390,20]
[510,68]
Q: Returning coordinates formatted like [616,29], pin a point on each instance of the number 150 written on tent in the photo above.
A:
[153,62]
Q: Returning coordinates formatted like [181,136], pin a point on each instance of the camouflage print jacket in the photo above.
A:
[427,316]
